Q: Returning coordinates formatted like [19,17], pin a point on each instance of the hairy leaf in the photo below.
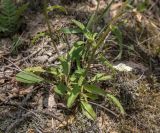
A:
[88,110]
[79,24]
[28,77]
[65,65]
[73,95]
[75,52]
[35,69]
[116,102]
[101,77]
[95,90]
[56,7]
[60,89]
[90,96]
[71,30]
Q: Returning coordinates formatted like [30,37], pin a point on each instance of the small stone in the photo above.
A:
[93,2]
[122,67]
[51,102]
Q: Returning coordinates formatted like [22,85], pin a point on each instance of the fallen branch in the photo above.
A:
[108,110]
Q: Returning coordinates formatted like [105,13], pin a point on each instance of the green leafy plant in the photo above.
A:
[10,16]
[73,79]
[37,37]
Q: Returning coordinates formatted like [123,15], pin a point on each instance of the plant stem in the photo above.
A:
[102,37]
[49,27]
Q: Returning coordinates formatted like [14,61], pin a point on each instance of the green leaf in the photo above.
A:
[95,90]
[35,69]
[88,110]
[73,95]
[56,7]
[101,77]
[79,24]
[91,21]
[80,71]
[71,30]
[75,52]
[104,12]
[60,89]
[28,77]
[116,102]
[106,62]
[65,65]
[73,77]
[90,96]
[53,70]
[81,80]
[38,36]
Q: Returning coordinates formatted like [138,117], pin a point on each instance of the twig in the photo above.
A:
[24,59]
[13,64]
[29,96]
[104,108]
[49,27]
[17,122]
[46,112]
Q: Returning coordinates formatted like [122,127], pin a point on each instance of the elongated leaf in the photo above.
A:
[61,89]
[101,77]
[28,77]
[91,21]
[75,52]
[53,71]
[80,71]
[106,62]
[95,90]
[71,30]
[56,7]
[79,24]
[90,96]
[116,102]
[73,77]
[65,65]
[38,36]
[105,11]
[86,113]
[35,69]
[73,95]
[88,110]
[81,80]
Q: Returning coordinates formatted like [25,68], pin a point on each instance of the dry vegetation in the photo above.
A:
[38,109]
